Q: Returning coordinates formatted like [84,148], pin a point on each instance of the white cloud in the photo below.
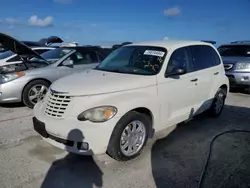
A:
[35,21]
[63,1]
[11,21]
[174,11]
[67,37]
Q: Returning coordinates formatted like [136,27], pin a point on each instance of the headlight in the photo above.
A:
[98,114]
[243,65]
[11,76]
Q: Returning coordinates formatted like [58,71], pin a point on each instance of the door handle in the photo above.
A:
[194,80]
[216,73]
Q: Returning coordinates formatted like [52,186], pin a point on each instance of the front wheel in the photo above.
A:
[218,103]
[129,136]
[34,91]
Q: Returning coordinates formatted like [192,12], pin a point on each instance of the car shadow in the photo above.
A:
[177,160]
[73,171]
[12,105]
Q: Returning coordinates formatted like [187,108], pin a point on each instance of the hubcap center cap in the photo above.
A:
[39,95]
[133,138]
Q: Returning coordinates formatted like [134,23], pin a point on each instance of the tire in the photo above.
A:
[27,92]
[114,147]
[247,90]
[220,96]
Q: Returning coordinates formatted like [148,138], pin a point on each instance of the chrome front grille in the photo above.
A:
[228,66]
[56,105]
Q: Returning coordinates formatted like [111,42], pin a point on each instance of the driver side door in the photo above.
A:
[177,93]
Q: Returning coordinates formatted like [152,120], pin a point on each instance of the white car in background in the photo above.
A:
[137,90]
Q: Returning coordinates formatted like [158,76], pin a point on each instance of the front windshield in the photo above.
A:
[53,55]
[6,54]
[234,50]
[142,60]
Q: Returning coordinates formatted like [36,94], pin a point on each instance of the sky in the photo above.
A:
[106,22]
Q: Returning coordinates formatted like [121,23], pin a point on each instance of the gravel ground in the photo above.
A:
[174,160]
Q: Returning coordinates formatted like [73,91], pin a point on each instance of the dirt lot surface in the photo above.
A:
[175,160]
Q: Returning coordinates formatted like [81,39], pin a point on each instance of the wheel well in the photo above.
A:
[224,87]
[35,80]
[147,112]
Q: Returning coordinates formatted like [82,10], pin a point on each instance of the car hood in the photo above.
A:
[93,82]
[234,60]
[16,46]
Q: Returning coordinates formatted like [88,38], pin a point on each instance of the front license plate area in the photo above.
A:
[40,128]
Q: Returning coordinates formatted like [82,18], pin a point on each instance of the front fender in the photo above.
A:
[124,101]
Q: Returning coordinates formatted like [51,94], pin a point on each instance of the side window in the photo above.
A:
[100,57]
[203,57]
[216,58]
[178,59]
[41,51]
[93,56]
[81,58]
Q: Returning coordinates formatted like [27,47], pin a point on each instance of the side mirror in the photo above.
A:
[68,63]
[177,72]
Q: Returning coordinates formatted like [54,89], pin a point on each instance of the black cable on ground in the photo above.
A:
[210,151]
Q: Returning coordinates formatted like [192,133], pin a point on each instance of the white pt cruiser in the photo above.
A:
[139,89]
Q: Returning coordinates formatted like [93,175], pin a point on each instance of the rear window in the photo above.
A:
[234,50]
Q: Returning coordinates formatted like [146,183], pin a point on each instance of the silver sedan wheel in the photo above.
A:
[132,138]
[36,93]
[219,103]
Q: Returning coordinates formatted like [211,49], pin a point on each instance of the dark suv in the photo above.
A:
[236,59]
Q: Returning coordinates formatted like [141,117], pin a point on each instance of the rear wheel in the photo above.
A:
[218,103]
[247,90]
[129,136]
[34,91]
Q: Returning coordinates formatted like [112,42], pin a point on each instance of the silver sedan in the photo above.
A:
[28,81]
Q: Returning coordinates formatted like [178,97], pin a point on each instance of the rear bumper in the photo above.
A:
[238,79]
[11,92]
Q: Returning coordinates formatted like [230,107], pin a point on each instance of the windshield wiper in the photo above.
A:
[111,70]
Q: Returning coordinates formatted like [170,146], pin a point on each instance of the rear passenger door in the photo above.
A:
[204,65]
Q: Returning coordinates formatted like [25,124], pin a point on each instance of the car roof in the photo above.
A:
[170,43]
[32,43]
[37,48]
[236,44]
[80,48]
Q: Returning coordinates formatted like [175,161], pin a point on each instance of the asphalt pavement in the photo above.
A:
[174,160]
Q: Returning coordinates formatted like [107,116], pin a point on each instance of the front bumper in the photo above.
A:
[238,79]
[11,92]
[68,133]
